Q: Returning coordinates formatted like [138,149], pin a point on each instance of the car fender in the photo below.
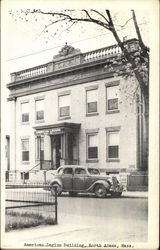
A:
[104,183]
[56,181]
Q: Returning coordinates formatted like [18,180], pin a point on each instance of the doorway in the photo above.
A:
[56,150]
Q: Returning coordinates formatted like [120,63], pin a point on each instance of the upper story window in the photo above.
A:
[112,98]
[25,150]
[92,100]
[40,110]
[25,112]
[64,106]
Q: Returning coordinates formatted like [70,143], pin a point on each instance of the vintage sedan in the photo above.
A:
[81,179]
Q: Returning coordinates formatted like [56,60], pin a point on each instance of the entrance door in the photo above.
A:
[70,148]
[56,150]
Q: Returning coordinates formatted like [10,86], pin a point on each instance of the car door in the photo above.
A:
[67,178]
[79,179]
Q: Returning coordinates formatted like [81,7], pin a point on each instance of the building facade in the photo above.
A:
[74,110]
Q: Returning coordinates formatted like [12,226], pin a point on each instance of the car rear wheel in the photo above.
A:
[59,189]
[100,191]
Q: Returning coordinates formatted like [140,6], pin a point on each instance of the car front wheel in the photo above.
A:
[59,189]
[100,191]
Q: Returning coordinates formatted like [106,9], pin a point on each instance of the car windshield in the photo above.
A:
[93,171]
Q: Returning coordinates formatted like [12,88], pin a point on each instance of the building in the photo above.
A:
[74,110]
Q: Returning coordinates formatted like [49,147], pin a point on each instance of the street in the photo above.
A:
[88,219]
[111,219]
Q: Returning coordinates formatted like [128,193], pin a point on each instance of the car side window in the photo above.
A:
[67,171]
[80,171]
[93,171]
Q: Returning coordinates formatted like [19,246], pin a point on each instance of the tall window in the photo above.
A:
[112,98]
[39,110]
[64,106]
[25,150]
[25,111]
[39,148]
[92,152]
[92,98]
[113,145]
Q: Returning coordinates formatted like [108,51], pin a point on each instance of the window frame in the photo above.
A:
[36,100]
[109,85]
[65,116]
[22,140]
[24,122]
[112,130]
[87,144]
[91,88]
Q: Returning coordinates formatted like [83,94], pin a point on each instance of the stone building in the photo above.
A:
[74,110]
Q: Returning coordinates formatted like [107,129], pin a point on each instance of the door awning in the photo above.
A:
[59,128]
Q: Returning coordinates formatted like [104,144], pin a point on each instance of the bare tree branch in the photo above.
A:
[69,17]
[138,32]
[122,26]
[100,14]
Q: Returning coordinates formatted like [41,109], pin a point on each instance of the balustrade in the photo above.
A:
[86,57]
[32,72]
[100,53]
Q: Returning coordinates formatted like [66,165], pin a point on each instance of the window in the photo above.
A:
[64,106]
[93,171]
[39,110]
[112,98]
[67,171]
[80,171]
[40,148]
[113,145]
[92,98]
[92,141]
[25,150]
[25,112]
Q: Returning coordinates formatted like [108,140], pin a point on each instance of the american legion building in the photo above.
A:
[74,110]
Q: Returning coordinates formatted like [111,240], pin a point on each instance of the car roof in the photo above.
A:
[76,166]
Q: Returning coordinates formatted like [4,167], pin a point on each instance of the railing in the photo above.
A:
[47,165]
[137,182]
[28,73]
[101,53]
[33,199]
[49,67]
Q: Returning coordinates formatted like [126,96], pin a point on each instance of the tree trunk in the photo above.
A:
[145,130]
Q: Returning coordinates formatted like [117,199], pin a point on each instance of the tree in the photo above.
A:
[134,63]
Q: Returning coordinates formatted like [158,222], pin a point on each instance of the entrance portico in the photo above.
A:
[60,144]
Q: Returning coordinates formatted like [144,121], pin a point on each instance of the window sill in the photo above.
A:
[113,160]
[39,121]
[112,111]
[64,118]
[24,123]
[92,114]
[92,161]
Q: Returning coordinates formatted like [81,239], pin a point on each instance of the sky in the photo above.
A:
[25,46]
[24,39]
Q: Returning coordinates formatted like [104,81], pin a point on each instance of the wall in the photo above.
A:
[126,119]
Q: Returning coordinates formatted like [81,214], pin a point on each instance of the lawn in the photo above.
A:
[17,220]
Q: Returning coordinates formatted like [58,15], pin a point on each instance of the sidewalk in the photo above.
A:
[135,194]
